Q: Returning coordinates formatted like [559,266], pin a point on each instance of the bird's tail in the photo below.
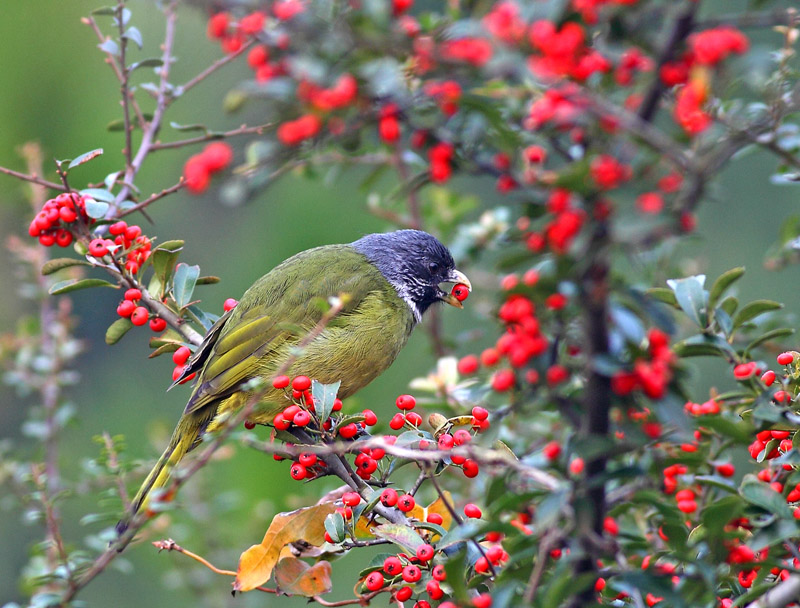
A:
[183,439]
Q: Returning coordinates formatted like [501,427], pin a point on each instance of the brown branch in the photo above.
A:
[124,91]
[171,545]
[681,28]
[787,17]
[214,67]
[33,178]
[152,199]
[243,130]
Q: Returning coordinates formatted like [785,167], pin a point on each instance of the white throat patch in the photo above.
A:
[402,291]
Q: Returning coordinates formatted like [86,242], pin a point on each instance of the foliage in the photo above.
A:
[602,125]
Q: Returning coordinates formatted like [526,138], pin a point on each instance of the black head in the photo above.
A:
[415,263]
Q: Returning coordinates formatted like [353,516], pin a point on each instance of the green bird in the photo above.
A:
[386,282]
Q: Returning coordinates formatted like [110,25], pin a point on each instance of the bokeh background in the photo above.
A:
[55,90]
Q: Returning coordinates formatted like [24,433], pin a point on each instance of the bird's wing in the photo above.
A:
[281,307]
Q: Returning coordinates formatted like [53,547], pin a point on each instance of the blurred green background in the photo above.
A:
[56,90]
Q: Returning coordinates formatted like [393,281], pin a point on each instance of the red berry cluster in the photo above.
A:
[651,373]
[199,168]
[135,246]
[558,232]
[138,314]
[54,224]
[179,358]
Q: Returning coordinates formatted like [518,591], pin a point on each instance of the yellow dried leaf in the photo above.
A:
[256,564]
[295,577]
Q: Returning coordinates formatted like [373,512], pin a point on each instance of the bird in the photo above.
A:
[385,281]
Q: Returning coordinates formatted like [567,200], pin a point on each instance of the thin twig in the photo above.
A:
[215,66]
[32,178]
[152,199]
[243,130]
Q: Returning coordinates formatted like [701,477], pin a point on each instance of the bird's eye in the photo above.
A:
[433,267]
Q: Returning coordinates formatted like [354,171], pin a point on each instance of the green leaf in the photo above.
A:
[702,345]
[208,280]
[183,283]
[133,33]
[85,158]
[76,284]
[106,11]
[163,258]
[117,329]
[51,266]
[754,309]
[152,62]
[729,305]
[719,512]
[691,297]
[195,127]
[773,334]
[762,495]
[402,536]
[95,209]
[741,432]
[324,397]
[99,194]
[334,526]
[725,280]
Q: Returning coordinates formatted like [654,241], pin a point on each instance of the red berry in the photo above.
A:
[726,469]
[301,383]
[552,450]
[421,604]
[63,237]
[229,304]
[468,365]
[397,422]
[403,594]
[768,377]
[348,431]
[392,565]
[484,600]
[180,356]
[249,425]
[374,581]
[139,315]
[414,418]
[218,25]
[470,468]
[438,572]
[281,382]
[157,324]
[307,459]
[125,308]
[351,499]
[433,589]
[687,506]
[472,510]
[462,436]
[117,228]
[280,423]
[480,413]
[301,418]
[412,573]
[785,358]
[445,441]
[298,471]
[503,380]
[434,518]
[425,553]
[406,402]
[133,294]
[131,232]
[405,503]
[460,292]
[389,497]
[370,418]
[98,248]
